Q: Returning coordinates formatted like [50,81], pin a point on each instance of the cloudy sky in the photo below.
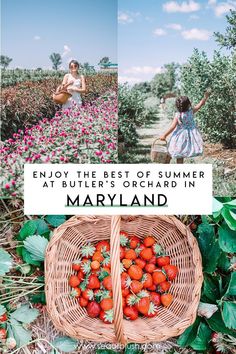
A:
[152,33]
[78,29]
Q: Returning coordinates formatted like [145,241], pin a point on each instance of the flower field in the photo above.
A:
[85,135]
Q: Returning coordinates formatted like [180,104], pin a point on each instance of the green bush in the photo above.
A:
[217,118]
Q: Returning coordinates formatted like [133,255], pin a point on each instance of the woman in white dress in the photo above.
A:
[74,84]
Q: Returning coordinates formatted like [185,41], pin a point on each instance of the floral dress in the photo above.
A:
[186,140]
[75,99]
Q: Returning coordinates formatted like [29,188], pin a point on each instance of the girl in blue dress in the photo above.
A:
[186,140]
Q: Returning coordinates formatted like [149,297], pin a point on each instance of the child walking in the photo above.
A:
[186,140]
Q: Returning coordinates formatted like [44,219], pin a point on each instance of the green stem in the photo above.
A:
[11,298]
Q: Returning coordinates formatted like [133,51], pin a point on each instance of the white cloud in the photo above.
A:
[143,70]
[159,32]
[37,38]
[197,34]
[129,79]
[211,2]
[224,7]
[184,6]
[66,50]
[127,17]
[174,26]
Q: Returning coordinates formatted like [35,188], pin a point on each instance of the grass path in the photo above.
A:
[223,160]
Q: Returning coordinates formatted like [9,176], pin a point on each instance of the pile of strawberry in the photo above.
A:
[146,275]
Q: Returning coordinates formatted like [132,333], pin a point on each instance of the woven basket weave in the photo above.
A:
[73,320]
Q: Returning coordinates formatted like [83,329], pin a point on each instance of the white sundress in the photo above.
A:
[186,140]
[76,97]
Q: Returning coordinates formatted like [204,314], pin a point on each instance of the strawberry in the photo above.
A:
[103,245]
[166,299]
[152,288]
[146,254]
[76,265]
[143,305]
[123,302]
[83,302]
[86,267]
[147,280]
[74,281]
[106,269]
[130,254]
[3,333]
[106,304]
[98,256]
[134,241]
[124,278]
[107,283]
[122,252]
[152,311]
[158,277]
[95,265]
[93,309]
[131,313]
[80,275]
[140,262]
[125,292]
[149,241]
[107,316]
[164,286]
[163,261]
[131,299]
[135,272]
[88,294]
[136,286]
[157,249]
[93,282]
[171,271]
[150,268]
[88,250]
[126,263]
[153,260]
[155,298]
[76,293]
[124,238]
[3,317]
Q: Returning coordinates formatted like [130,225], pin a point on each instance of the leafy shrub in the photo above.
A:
[217,118]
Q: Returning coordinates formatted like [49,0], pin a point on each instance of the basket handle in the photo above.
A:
[116,280]
[156,140]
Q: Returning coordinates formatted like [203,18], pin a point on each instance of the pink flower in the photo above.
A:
[98,153]
[13,182]
[7,186]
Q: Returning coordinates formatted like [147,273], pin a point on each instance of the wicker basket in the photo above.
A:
[159,151]
[61,97]
[73,320]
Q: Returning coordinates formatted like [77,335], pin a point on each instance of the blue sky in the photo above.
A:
[85,30]
[154,32]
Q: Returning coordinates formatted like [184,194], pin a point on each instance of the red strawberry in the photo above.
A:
[150,268]
[152,312]
[148,281]
[83,302]
[143,305]
[103,245]
[107,283]
[130,254]
[76,265]
[140,262]
[3,333]
[152,260]
[135,272]
[164,286]
[106,304]
[163,261]
[155,298]
[171,271]
[3,317]
[131,313]
[166,299]
[125,292]
[93,282]
[136,286]
[146,254]
[88,294]
[74,281]
[134,241]
[106,316]
[149,241]
[122,252]
[158,277]
[93,309]
[124,278]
